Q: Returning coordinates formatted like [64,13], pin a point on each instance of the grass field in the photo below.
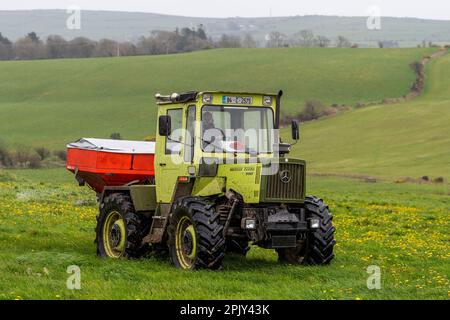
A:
[50,103]
[393,141]
[47,223]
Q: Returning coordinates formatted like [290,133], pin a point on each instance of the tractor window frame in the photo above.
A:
[169,149]
[189,150]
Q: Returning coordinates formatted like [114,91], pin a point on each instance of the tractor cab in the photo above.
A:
[203,135]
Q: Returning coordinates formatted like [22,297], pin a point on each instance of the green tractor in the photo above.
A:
[223,180]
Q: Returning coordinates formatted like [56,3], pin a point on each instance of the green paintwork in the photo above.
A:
[144,197]
[244,178]
[206,186]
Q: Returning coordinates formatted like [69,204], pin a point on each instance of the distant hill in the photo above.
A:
[408,32]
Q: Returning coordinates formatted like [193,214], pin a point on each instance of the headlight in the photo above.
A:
[250,224]
[267,100]
[207,98]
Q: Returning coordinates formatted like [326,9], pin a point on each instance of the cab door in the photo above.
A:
[169,153]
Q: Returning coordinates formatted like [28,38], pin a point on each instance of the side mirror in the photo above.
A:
[295,130]
[165,126]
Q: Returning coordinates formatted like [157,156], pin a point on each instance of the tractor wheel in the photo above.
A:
[119,229]
[238,246]
[317,249]
[195,235]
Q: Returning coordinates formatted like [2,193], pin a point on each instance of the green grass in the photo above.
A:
[401,228]
[392,141]
[47,222]
[50,103]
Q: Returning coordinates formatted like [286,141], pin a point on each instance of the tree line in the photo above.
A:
[31,46]
[306,38]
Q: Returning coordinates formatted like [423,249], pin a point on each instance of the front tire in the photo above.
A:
[195,235]
[318,248]
[119,229]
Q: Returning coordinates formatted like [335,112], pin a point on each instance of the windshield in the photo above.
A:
[237,129]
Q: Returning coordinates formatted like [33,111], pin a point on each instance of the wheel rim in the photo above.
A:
[186,243]
[114,235]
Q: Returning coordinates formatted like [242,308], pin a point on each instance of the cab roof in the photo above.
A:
[194,96]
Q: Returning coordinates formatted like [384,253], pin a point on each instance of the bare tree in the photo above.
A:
[343,42]
[57,47]
[249,41]
[106,48]
[166,42]
[127,49]
[81,48]
[29,48]
[229,41]
[276,39]
[306,38]
[323,41]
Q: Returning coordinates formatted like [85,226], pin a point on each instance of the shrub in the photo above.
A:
[439,180]
[417,66]
[116,136]
[26,158]
[312,110]
[5,157]
[61,154]
[34,162]
[43,152]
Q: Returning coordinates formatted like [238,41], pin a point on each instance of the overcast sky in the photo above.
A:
[429,9]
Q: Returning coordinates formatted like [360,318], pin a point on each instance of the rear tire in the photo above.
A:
[120,231]
[195,235]
[319,246]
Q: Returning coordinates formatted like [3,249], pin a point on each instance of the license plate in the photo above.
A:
[237,100]
[284,241]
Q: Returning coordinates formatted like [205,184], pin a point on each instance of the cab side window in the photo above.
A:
[174,144]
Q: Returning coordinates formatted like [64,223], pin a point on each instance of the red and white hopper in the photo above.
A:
[103,162]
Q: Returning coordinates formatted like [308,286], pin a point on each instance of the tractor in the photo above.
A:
[220,181]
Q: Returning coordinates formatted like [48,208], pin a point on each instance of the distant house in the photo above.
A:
[388,44]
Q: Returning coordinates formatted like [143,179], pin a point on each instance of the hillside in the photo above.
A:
[129,26]
[408,139]
[49,103]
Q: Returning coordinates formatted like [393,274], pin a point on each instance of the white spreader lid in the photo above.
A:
[115,146]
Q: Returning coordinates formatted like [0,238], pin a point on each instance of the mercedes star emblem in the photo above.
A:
[285,176]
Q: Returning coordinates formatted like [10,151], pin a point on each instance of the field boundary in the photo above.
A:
[415,91]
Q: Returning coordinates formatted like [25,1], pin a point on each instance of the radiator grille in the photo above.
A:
[287,184]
